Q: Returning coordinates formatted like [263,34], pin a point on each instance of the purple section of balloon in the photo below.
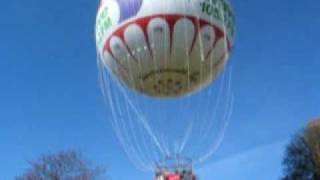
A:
[128,8]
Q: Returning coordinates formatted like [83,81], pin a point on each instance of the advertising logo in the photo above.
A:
[128,8]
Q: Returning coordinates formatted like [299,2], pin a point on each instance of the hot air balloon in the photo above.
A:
[160,63]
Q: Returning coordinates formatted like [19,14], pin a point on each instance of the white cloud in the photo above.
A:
[261,163]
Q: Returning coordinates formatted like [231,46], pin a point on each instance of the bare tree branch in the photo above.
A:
[67,165]
[302,161]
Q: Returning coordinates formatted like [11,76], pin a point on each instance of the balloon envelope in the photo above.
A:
[165,48]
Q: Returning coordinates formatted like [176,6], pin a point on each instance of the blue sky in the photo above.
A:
[50,98]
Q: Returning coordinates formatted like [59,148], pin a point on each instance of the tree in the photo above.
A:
[302,160]
[68,165]
[313,138]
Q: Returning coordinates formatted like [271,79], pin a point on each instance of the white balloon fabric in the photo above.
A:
[165,48]
[153,57]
